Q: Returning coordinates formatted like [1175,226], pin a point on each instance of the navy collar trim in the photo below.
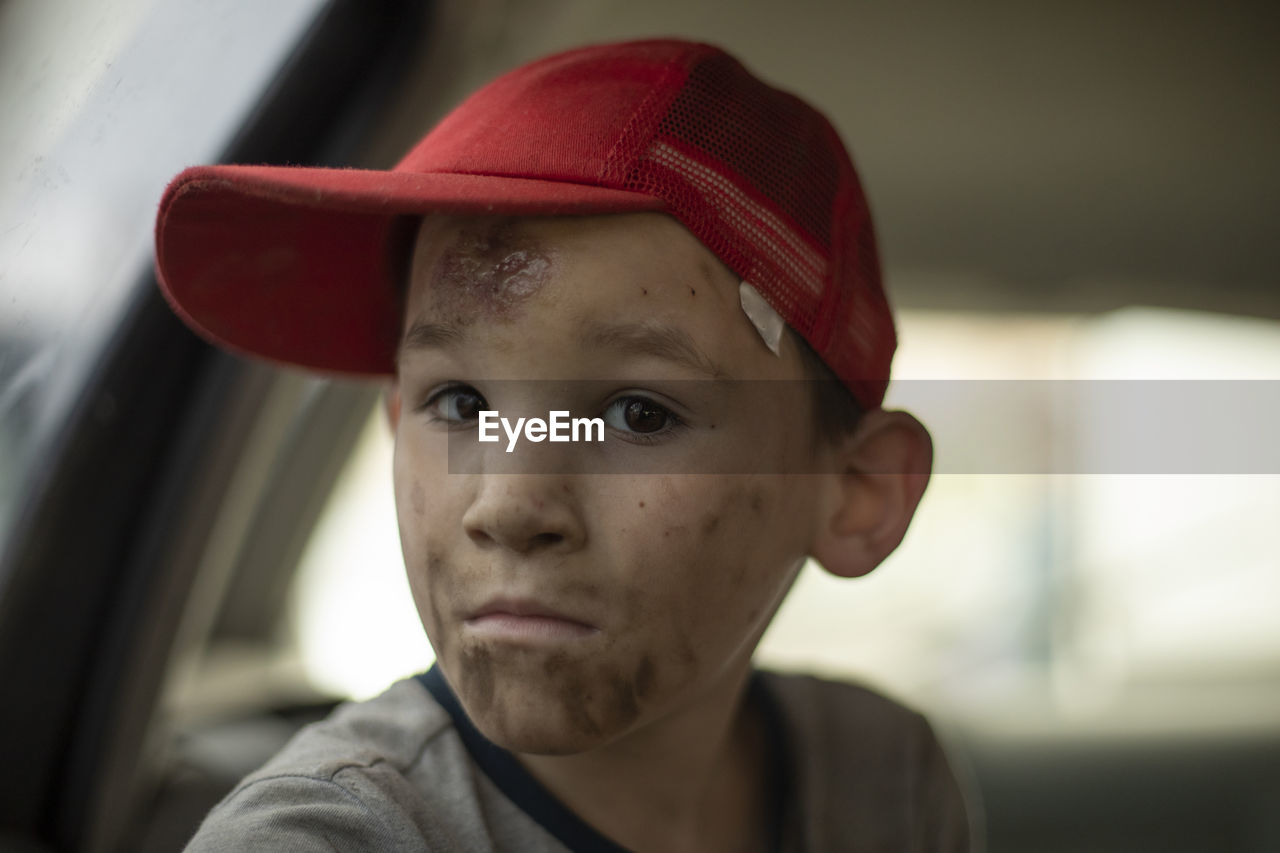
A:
[514,781]
[528,794]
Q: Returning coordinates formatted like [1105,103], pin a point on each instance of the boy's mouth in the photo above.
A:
[525,619]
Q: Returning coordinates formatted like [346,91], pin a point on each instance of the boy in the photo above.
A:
[619,232]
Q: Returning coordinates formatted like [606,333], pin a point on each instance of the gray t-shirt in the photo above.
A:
[406,771]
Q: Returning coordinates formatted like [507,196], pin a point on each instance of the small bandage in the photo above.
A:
[762,316]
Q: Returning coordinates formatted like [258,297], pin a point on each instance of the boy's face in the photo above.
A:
[574,592]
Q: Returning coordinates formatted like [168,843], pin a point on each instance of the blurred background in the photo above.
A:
[1074,200]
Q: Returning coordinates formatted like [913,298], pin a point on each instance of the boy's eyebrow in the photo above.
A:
[424,335]
[667,342]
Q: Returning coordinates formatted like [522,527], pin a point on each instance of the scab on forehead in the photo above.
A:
[488,268]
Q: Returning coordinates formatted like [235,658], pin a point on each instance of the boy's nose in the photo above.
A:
[524,513]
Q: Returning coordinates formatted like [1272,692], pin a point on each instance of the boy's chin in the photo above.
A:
[529,701]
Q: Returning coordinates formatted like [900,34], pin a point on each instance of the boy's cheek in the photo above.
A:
[423,512]
[556,703]
[419,473]
[742,549]
[418,573]
[700,542]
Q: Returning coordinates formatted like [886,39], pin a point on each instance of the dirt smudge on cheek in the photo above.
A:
[617,703]
[418,499]
[477,678]
[675,670]
[736,574]
[677,675]
[435,575]
[760,503]
[623,706]
[603,695]
[437,571]
[574,689]
[644,678]
[597,700]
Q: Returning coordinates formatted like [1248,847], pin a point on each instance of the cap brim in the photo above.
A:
[294,265]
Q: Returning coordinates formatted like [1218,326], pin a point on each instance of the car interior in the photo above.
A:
[1076,204]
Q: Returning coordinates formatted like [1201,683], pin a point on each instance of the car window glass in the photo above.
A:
[102,104]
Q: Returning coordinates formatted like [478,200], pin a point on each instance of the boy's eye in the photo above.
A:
[456,404]
[638,415]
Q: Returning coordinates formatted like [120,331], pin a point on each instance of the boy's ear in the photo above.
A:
[391,400]
[882,470]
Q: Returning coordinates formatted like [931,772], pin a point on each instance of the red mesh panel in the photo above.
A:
[862,340]
[784,153]
[755,174]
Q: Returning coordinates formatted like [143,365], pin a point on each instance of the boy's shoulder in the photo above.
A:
[395,773]
[867,771]
[386,774]
[819,701]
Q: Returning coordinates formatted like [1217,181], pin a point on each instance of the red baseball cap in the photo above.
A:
[295,264]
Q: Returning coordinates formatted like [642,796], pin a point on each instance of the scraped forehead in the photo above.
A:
[470,268]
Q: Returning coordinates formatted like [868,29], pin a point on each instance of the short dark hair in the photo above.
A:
[836,412]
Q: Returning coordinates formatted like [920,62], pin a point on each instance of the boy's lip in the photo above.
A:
[507,613]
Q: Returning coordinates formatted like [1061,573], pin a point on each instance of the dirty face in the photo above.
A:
[573,595]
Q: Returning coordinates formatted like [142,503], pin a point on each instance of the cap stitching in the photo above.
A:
[631,129]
